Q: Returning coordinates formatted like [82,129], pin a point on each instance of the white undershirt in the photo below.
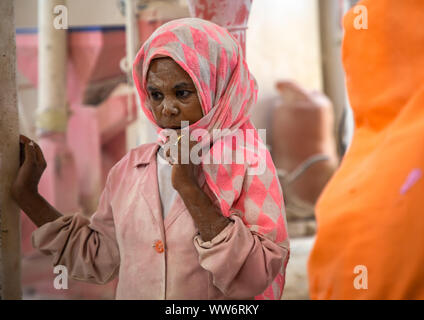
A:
[166,190]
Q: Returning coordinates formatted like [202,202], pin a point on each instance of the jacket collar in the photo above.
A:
[145,154]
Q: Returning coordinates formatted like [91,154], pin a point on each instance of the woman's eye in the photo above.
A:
[183,94]
[156,95]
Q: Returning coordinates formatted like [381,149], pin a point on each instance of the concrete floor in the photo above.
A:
[296,287]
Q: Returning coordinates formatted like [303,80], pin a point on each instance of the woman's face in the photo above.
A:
[172,95]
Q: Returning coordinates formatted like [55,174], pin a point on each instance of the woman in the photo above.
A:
[172,229]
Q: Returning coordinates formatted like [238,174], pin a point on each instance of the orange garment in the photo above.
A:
[372,211]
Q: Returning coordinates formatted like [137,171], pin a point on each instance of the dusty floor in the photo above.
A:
[296,275]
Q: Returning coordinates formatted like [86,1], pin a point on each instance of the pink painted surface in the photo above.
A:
[93,56]
[98,137]
[231,14]
[146,28]
[58,183]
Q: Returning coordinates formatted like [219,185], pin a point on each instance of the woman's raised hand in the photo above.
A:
[207,217]
[183,174]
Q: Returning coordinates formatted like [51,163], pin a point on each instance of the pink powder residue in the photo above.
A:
[412,178]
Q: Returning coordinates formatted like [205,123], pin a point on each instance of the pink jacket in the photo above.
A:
[157,258]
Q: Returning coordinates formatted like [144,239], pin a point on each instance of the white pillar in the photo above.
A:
[138,131]
[131,34]
[10,233]
[331,13]
[52,111]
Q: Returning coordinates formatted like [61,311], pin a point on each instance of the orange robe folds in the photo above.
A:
[371,214]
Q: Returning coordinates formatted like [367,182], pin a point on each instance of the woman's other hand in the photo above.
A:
[25,188]
[32,166]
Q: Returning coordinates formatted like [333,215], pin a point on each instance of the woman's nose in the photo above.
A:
[169,108]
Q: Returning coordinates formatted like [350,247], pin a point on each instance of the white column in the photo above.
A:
[138,131]
[52,111]
[10,233]
[331,13]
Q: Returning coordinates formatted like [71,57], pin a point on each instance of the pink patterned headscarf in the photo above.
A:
[227,91]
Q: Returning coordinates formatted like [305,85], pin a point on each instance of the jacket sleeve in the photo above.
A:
[243,263]
[87,247]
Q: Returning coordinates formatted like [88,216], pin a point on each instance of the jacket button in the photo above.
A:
[158,245]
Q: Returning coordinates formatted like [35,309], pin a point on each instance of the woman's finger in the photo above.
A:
[167,155]
[21,153]
[39,154]
[29,152]
[24,139]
